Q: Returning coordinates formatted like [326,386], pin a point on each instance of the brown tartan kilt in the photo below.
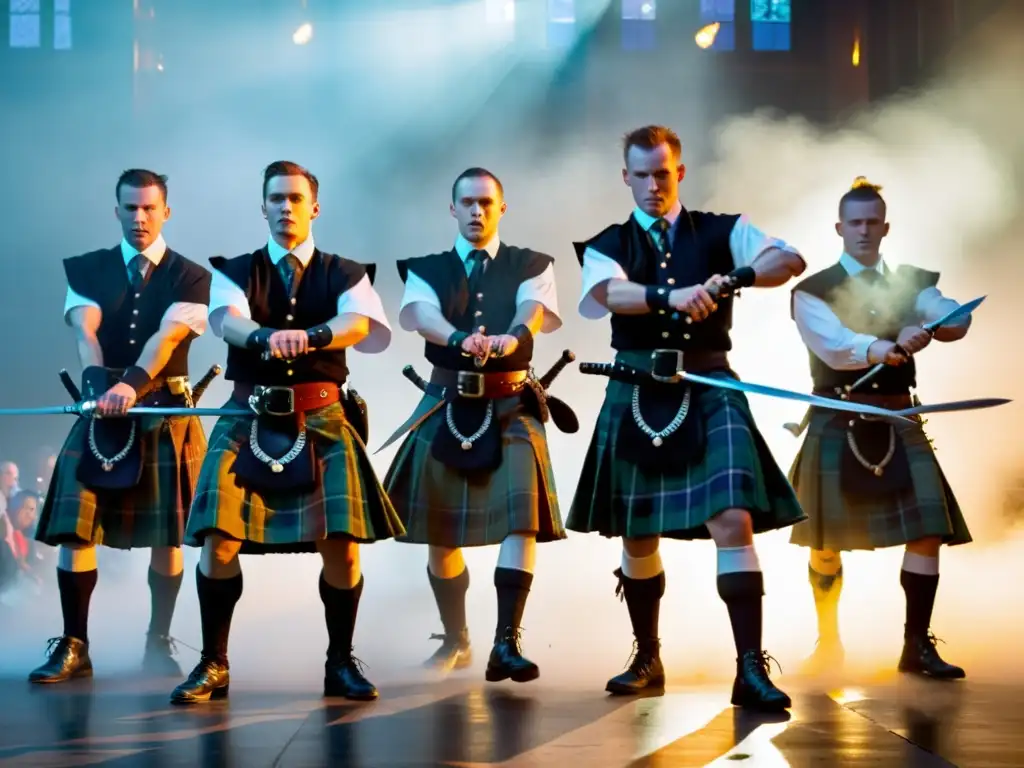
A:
[841,522]
[348,503]
[152,514]
[446,508]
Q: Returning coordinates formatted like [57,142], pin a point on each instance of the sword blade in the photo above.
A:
[42,411]
[956,314]
[786,394]
[87,409]
[956,405]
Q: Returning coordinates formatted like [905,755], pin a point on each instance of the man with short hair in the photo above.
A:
[294,476]
[475,471]
[127,482]
[669,458]
[866,484]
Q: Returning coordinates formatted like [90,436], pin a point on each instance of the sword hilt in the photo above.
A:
[410,373]
[203,383]
[69,385]
[559,366]
[596,369]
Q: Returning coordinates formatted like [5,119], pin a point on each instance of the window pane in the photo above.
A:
[62,32]
[639,10]
[24,6]
[638,35]
[770,11]
[62,6]
[717,10]
[561,11]
[24,30]
[725,40]
[770,36]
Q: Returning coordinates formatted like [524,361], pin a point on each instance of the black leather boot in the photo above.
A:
[921,657]
[454,653]
[644,672]
[753,689]
[507,661]
[68,658]
[209,680]
[343,677]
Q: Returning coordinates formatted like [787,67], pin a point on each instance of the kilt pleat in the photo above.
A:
[152,514]
[615,498]
[838,521]
[444,507]
[349,502]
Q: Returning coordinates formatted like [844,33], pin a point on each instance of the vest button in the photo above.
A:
[477,313]
[661,291]
[671,281]
[135,311]
[289,371]
[664,334]
[874,385]
[686,336]
[293,301]
[289,318]
[132,325]
[661,311]
[137,295]
[479,295]
[663,265]
[481,329]
[131,341]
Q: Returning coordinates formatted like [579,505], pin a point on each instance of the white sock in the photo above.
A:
[518,552]
[641,568]
[76,559]
[922,564]
[738,559]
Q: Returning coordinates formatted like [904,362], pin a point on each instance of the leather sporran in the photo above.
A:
[468,415]
[659,405]
[276,437]
[120,441]
[874,440]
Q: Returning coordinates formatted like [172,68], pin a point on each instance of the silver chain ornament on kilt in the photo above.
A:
[276,465]
[467,442]
[878,468]
[658,437]
[108,462]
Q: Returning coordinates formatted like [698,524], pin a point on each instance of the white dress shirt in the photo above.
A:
[184,312]
[746,242]
[360,299]
[836,345]
[540,289]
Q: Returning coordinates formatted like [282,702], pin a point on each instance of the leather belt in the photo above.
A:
[476,384]
[664,367]
[286,400]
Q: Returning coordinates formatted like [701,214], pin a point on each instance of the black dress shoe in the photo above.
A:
[753,689]
[158,659]
[644,672]
[921,657]
[454,652]
[68,659]
[209,680]
[343,676]
[507,661]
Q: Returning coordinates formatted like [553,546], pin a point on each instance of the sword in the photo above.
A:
[559,366]
[87,407]
[918,410]
[203,383]
[69,385]
[956,314]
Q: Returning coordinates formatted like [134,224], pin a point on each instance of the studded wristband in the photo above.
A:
[137,378]
[456,339]
[259,339]
[320,336]
[521,333]
[743,277]
[657,297]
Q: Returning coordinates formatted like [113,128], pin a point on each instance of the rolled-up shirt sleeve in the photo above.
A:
[362,299]
[225,293]
[826,336]
[931,305]
[416,290]
[543,290]
[73,300]
[747,242]
[597,270]
[195,316]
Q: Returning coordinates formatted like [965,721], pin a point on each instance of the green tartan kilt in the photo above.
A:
[840,522]
[152,514]
[349,501]
[447,508]
[615,498]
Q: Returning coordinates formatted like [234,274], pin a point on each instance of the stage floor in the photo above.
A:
[462,721]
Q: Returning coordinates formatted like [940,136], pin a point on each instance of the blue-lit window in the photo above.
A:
[769,21]
[25,24]
[724,13]
[62,25]
[561,23]
[638,19]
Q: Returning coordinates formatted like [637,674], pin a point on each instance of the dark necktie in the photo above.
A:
[291,271]
[478,259]
[659,233]
[135,275]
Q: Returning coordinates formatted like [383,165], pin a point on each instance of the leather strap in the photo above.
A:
[308,395]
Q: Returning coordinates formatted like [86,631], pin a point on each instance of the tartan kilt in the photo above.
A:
[152,514]
[444,507]
[348,502]
[614,498]
[841,522]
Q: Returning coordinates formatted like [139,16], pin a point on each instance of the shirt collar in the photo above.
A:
[153,254]
[645,219]
[854,267]
[463,247]
[303,251]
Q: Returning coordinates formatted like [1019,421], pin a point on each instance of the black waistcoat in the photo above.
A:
[490,311]
[324,280]
[882,308]
[699,249]
[131,317]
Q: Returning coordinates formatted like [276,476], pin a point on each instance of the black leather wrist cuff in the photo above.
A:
[95,381]
[521,332]
[137,378]
[743,277]
[320,336]
[656,300]
[259,339]
[456,339]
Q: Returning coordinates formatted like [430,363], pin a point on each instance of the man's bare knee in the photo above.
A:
[643,547]
[341,562]
[732,528]
[445,562]
[167,561]
[929,546]
[826,562]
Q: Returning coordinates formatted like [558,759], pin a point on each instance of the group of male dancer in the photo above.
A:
[289,472]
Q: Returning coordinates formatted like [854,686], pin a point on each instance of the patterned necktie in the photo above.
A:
[479,260]
[135,276]
[291,272]
[659,233]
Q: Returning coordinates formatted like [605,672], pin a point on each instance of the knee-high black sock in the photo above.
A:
[742,592]
[826,589]
[340,609]
[513,587]
[217,599]
[643,599]
[450,595]
[75,594]
[163,595]
[920,590]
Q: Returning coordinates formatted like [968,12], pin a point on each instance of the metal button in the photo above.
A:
[661,311]
[661,290]
[293,301]
[481,329]
[664,334]
[686,336]
[132,325]
[668,255]
[874,385]
[479,295]
[135,311]
[671,281]
[131,341]
[289,318]
[663,265]
[289,371]
[477,313]
[137,295]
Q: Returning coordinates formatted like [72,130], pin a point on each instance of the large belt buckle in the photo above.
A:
[470,384]
[667,365]
[274,401]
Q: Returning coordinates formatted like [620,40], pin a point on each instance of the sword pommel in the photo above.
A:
[410,373]
[69,385]
[203,383]
[559,366]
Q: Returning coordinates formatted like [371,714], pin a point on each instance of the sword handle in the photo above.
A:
[203,383]
[596,369]
[410,373]
[559,366]
[69,385]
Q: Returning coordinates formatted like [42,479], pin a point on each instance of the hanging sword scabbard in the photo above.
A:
[203,383]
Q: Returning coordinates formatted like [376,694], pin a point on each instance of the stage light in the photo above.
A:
[705,36]
[303,34]
[855,58]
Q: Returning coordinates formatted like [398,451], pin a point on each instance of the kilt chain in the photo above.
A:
[108,462]
[657,438]
[276,465]
[467,442]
